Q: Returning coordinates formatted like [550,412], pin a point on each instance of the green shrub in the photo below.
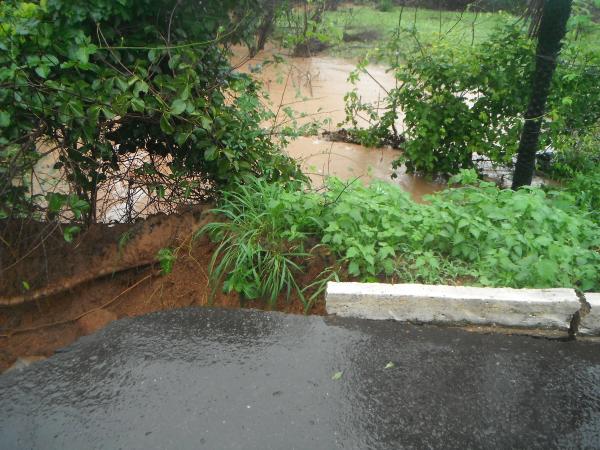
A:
[495,237]
[385,5]
[102,79]
[459,100]
[304,28]
[585,188]
[577,153]
[456,101]
[475,234]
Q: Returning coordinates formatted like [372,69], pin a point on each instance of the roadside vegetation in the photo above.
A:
[463,104]
[475,235]
[140,98]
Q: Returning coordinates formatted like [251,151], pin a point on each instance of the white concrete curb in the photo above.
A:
[590,322]
[537,308]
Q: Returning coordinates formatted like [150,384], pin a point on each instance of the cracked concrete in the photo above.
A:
[589,324]
[546,309]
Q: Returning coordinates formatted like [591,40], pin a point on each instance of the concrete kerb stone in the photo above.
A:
[590,322]
[526,308]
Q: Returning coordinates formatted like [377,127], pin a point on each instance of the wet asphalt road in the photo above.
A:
[240,379]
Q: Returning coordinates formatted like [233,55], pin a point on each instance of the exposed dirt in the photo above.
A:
[39,327]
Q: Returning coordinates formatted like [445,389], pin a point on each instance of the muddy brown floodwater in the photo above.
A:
[315,88]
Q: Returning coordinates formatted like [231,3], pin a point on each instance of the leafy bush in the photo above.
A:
[578,153]
[385,5]
[585,188]
[474,235]
[304,28]
[494,237]
[458,101]
[97,80]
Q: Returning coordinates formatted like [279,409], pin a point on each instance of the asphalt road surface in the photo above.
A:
[240,379]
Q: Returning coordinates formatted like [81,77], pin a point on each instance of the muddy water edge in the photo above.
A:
[314,88]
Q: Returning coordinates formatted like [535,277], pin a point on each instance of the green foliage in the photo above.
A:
[577,153]
[166,258]
[385,5]
[583,15]
[265,241]
[475,234]
[585,188]
[59,205]
[460,101]
[100,79]
[496,237]
[574,102]
[465,177]
[70,232]
[304,28]
[459,28]
[457,102]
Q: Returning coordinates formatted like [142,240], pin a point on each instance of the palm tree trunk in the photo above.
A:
[552,29]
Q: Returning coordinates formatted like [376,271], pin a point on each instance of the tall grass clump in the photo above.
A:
[265,240]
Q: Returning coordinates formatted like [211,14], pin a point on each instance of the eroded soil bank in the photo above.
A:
[110,272]
[60,291]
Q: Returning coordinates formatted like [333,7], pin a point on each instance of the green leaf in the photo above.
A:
[153,55]
[50,60]
[108,113]
[140,86]
[567,101]
[210,154]
[166,258]
[177,107]
[337,375]
[55,202]
[42,71]
[70,232]
[390,365]
[181,138]
[353,269]
[206,122]
[174,61]
[137,104]
[4,119]
[547,269]
[352,252]
[165,125]
[76,108]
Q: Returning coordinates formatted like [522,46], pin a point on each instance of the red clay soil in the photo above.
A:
[84,302]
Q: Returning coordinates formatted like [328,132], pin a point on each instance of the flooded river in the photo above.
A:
[315,87]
